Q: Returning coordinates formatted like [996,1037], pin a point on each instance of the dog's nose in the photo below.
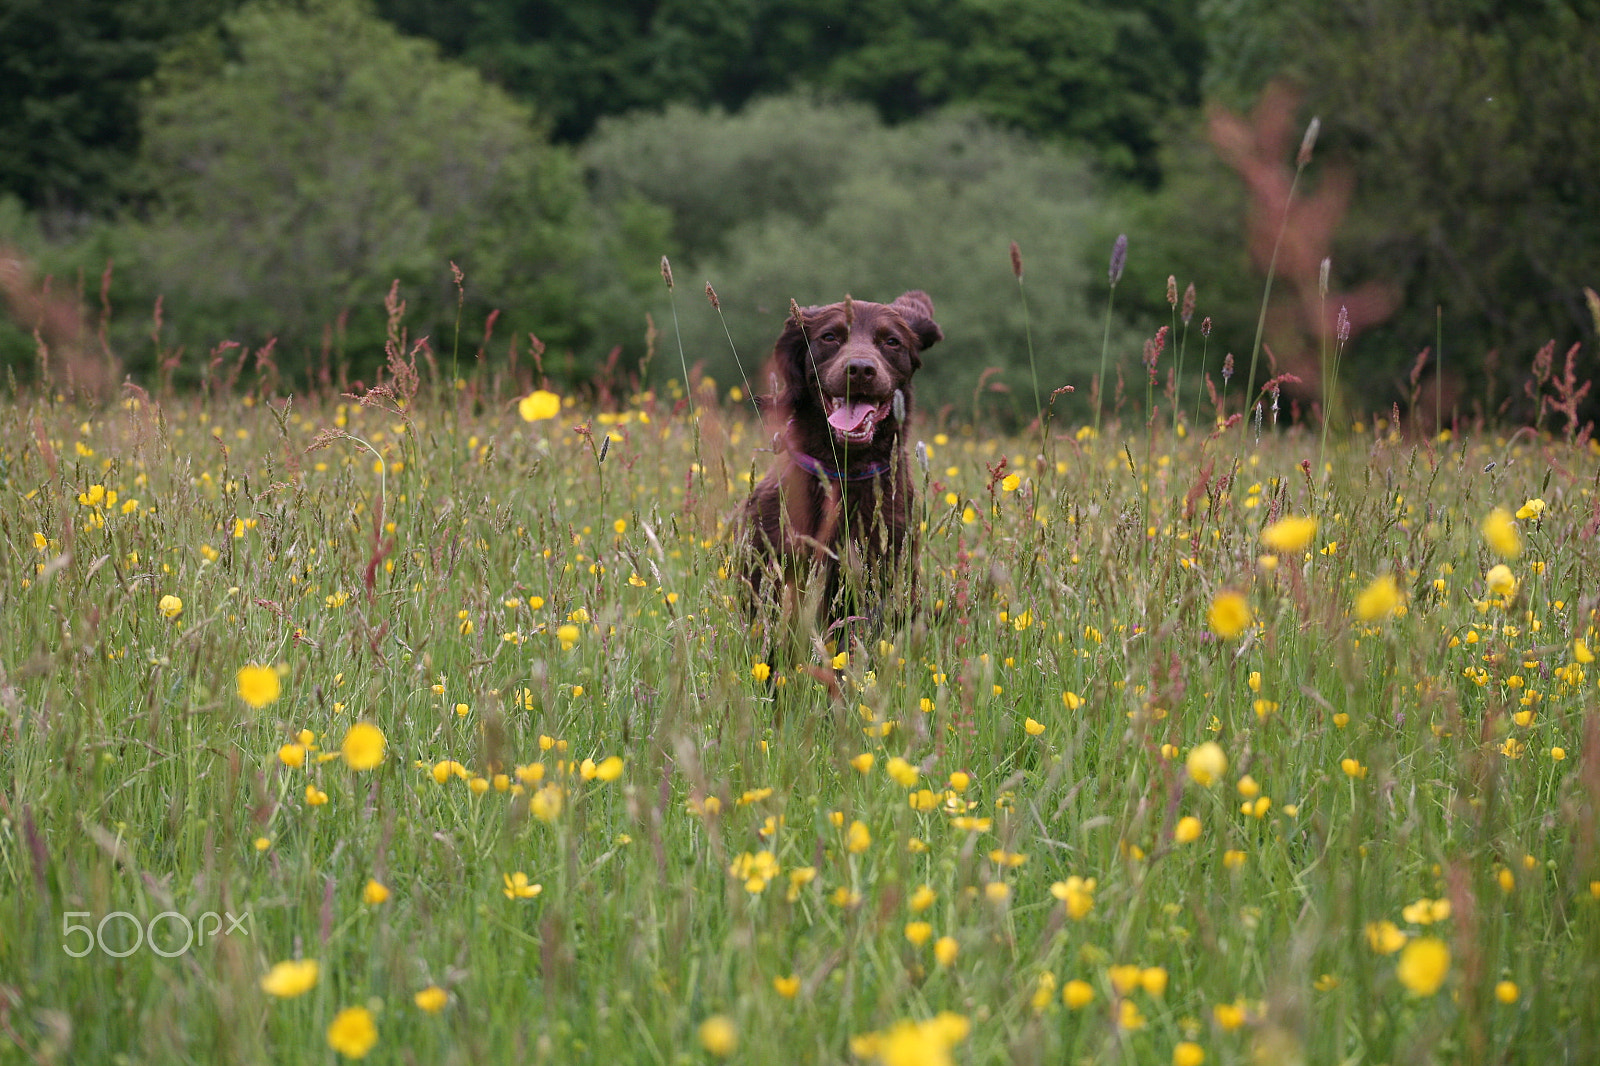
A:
[860,370]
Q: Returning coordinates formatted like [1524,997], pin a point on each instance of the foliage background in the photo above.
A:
[268,169]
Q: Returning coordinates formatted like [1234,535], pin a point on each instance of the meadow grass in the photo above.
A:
[1007,840]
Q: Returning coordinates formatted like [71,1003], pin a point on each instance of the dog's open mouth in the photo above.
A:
[856,421]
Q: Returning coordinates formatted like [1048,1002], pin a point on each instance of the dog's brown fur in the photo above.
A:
[840,492]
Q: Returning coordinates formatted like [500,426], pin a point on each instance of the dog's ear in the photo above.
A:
[917,310]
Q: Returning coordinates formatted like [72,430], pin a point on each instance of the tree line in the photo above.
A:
[267,169]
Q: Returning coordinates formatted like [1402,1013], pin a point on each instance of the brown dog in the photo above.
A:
[837,503]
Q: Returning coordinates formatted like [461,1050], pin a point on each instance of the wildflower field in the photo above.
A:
[438,732]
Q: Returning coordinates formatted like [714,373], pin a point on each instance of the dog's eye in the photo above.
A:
[829,336]
[891,341]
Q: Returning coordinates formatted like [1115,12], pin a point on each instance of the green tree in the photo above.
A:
[310,155]
[1087,72]
[579,61]
[795,199]
[70,72]
[1102,75]
[1471,136]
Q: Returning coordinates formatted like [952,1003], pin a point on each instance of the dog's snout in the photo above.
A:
[861,370]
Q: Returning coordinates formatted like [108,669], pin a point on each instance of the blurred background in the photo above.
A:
[178,174]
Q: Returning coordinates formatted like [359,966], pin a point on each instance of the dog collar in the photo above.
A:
[817,468]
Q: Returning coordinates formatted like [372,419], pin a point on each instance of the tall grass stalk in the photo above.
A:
[1183,316]
[1438,371]
[455,351]
[1027,330]
[683,362]
[1205,347]
[1152,361]
[1033,370]
[716,305]
[1119,259]
[455,343]
[1329,379]
[1307,143]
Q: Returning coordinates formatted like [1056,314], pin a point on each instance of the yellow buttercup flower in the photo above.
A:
[289,979]
[799,877]
[1229,615]
[517,886]
[1124,978]
[258,685]
[1426,911]
[858,839]
[1385,938]
[756,870]
[539,406]
[1078,895]
[431,999]
[352,1033]
[1290,534]
[1501,581]
[787,987]
[719,1036]
[1423,965]
[374,893]
[1228,1016]
[901,772]
[363,746]
[170,606]
[1153,979]
[546,803]
[1378,600]
[1501,534]
[923,1043]
[1206,763]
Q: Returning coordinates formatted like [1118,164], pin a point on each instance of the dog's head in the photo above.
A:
[841,366]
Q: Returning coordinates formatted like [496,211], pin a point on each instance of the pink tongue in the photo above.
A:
[848,418]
